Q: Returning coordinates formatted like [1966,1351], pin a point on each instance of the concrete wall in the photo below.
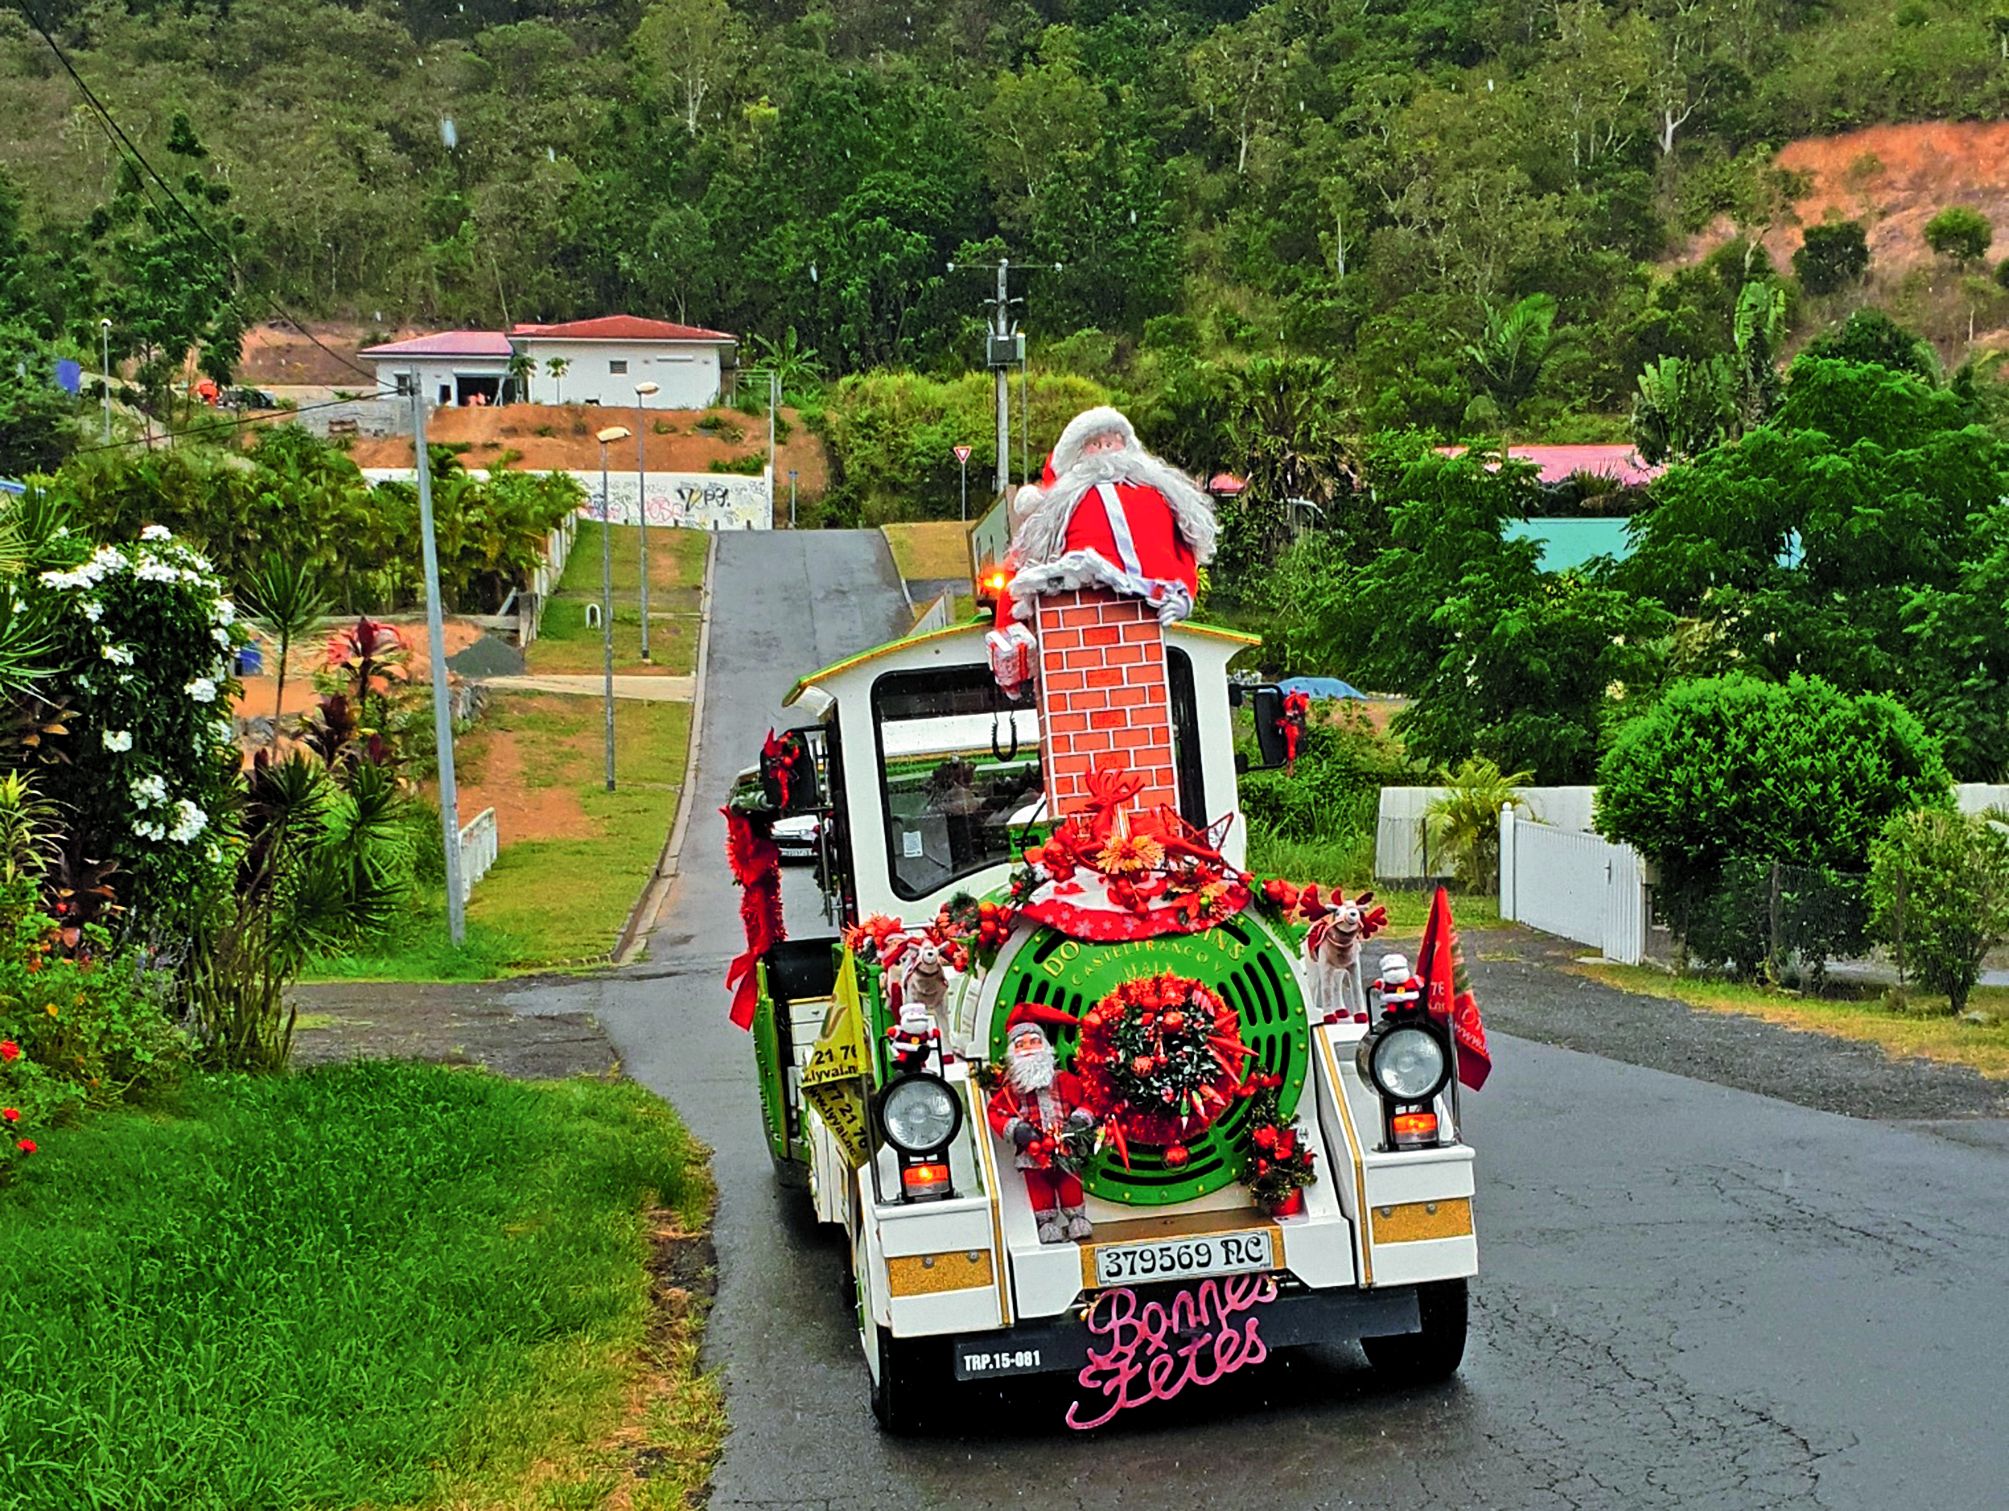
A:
[1401,840]
[688,500]
[688,372]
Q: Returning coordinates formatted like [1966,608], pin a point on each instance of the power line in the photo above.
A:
[216,427]
[116,133]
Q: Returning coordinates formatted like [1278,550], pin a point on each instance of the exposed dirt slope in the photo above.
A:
[1894,179]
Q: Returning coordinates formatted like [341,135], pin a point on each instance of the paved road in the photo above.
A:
[1693,1295]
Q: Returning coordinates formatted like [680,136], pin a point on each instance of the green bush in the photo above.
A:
[1333,796]
[1960,233]
[1465,821]
[1727,775]
[1939,887]
[1832,256]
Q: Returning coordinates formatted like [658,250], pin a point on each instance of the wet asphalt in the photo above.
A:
[1702,1283]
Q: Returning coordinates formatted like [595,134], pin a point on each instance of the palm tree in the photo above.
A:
[1285,432]
[1512,349]
[285,599]
[521,367]
[558,367]
[794,365]
[1465,821]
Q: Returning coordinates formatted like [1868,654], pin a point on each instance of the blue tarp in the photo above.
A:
[1322,687]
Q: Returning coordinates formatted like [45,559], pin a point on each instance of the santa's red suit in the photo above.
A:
[1046,1112]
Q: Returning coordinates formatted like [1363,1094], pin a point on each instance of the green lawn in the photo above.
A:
[930,549]
[370,1285]
[1918,1025]
[558,899]
[565,643]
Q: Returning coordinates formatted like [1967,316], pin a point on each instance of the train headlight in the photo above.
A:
[1405,1062]
[920,1114]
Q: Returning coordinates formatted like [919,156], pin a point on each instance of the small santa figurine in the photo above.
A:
[1400,989]
[1033,1112]
[914,1037]
[1108,514]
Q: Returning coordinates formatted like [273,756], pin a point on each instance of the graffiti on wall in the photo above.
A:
[686,500]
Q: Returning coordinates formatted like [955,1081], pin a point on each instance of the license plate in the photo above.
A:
[983,1364]
[1180,1258]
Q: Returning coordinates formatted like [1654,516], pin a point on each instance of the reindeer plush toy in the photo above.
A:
[1333,947]
[925,980]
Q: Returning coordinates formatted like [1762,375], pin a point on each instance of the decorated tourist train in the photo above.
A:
[1085,1097]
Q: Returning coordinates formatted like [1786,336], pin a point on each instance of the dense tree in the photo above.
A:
[1831,256]
[1960,234]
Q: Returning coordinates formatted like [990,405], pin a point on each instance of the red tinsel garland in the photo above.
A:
[756,865]
[1187,1062]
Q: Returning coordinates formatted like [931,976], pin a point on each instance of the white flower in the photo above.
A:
[225,612]
[75,579]
[221,636]
[157,571]
[202,690]
[149,791]
[156,532]
[189,822]
[108,559]
[93,610]
[118,740]
[118,655]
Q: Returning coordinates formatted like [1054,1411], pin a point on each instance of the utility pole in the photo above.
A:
[105,340]
[442,697]
[1004,350]
[642,392]
[791,498]
[606,437]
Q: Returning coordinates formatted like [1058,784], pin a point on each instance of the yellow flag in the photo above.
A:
[835,1079]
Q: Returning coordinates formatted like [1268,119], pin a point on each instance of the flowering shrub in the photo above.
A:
[149,638]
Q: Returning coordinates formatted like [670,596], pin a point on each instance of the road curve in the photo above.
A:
[1690,1295]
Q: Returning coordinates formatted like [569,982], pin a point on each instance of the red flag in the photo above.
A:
[1448,991]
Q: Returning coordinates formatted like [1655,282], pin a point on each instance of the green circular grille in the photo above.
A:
[1244,962]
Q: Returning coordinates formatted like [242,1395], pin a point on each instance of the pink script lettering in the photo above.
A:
[1153,1351]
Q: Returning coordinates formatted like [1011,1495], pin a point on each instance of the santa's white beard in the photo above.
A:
[1031,1069]
[1044,513]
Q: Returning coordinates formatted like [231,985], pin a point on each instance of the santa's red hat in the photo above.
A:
[1036,1016]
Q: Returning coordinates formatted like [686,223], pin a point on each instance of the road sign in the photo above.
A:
[962,453]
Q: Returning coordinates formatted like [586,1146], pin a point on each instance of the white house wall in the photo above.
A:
[687,372]
[688,500]
[437,372]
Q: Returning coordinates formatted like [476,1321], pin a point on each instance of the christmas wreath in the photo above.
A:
[1160,1058]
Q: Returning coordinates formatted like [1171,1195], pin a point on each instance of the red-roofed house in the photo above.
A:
[449,367]
[606,357]
[1558,464]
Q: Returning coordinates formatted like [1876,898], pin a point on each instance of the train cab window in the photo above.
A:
[959,772]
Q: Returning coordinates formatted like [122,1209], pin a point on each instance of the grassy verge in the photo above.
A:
[1919,1027]
[565,644]
[371,1285]
[929,549]
[564,896]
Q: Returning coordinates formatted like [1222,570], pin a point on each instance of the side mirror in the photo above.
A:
[1268,704]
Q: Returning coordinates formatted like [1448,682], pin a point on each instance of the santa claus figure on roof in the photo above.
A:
[1106,513]
[1038,1111]
[1109,513]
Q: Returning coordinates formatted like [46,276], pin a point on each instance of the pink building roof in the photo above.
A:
[621,328]
[1558,463]
[493,344]
[1225,484]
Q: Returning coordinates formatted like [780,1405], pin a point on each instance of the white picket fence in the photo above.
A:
[480,843]
[1575,885]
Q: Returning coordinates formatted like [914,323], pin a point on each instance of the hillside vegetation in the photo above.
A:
[1214,178]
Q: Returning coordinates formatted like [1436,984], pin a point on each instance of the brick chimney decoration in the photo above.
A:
[1103,698]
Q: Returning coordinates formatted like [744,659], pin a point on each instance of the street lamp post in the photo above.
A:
[442,705]
[642,392]
[607,437]
[791,498]
[105,341]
